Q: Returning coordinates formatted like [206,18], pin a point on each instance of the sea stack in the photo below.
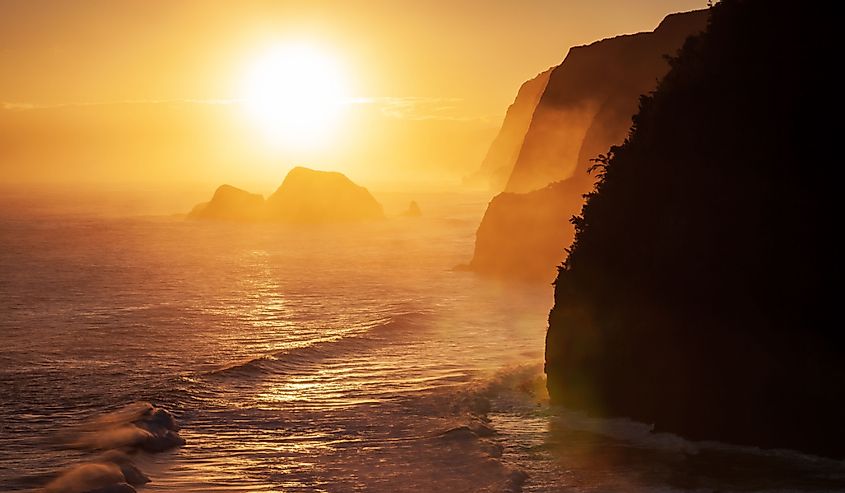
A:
[310,196]
[413,210]
[305,196]
[230,204]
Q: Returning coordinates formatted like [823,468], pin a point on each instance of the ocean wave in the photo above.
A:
[551,442]
[301,357]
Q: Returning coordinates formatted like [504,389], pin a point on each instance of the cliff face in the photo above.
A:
[230,204]
[698,293]
[499,161]
[305,196]
[585,108]
[309,196]
[590,97]
[524,235]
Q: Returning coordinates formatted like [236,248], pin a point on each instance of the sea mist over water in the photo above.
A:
[332,358]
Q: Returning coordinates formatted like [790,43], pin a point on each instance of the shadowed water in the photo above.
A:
[331,358]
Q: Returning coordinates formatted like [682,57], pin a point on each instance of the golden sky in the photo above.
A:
[148,90]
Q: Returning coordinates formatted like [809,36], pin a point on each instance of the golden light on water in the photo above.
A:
[295,94]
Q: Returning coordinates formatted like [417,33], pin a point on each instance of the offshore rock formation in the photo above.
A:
[309,196]
[305,196]
[584,109]
[698,293]
[499,161]
[230,204]
[413,210]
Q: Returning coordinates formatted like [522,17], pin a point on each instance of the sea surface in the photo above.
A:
[315,358]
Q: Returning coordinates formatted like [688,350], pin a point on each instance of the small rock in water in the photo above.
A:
[161,431]
[413,210]
[159,442]
[131,473]
[163,418]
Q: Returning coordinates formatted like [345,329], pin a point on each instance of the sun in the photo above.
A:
[295,93]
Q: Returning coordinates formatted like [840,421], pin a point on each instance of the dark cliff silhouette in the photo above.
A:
[585,108]
[697,294]
[305,196]
[501,156]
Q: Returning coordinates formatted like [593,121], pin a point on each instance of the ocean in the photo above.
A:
[333,358]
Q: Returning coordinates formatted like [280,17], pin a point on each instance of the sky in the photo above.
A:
[148,90]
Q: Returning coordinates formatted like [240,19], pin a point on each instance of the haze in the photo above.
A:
[118,92]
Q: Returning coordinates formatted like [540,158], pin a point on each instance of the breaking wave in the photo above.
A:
[115,438]
[354,341]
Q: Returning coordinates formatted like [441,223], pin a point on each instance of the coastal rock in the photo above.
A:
[230,204]
[305,196]
[161,431]
[137,427]
[413,210]
[310,196]
[131,473]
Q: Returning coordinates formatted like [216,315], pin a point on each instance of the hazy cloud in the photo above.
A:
[416,108]
[37,106]
[422,108]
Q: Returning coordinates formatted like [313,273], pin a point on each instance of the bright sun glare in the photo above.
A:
[295,93]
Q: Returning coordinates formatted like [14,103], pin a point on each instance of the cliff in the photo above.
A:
[230,204]
[524,235]
[501,156]
[309,196]
[587,104]
[305,196]
[584,109]
[698,293]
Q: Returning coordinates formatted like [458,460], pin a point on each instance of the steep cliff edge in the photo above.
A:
[593,94]
[585,108]
[698,293]
[501,156]
[524,235]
